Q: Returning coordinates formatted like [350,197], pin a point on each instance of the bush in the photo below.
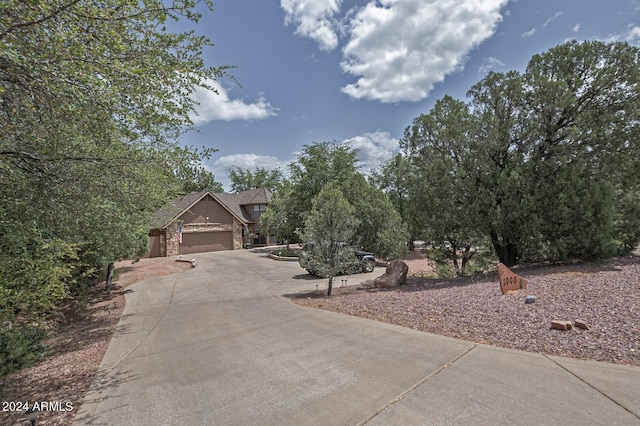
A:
[286,252]
[20,347]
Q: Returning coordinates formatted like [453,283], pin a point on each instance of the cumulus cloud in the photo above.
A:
[489,64]
[247,161]
[314,19]
[219,106]
[400,48]
[374,148]
[631,35]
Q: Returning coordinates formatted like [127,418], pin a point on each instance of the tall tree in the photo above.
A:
[275,217]
[440,145]
[331,223]
[93,98]
[545,171]
[333,162]
[245,179]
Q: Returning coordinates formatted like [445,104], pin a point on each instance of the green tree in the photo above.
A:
[334,162]
[193,175]
[584,101]
[245,179]
[499,152]
[543,166]
[275,217]
[440,145]
[93,99]
[331,223]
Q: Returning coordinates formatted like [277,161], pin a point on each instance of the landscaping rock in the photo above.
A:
[561,325]
[581,324]
[509,281]
[529,299]
[395,274]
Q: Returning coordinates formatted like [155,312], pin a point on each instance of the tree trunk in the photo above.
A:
[109,283]
[330,286]
[466,257]
[507,251]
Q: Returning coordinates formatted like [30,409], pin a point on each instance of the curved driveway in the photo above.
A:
[222,345]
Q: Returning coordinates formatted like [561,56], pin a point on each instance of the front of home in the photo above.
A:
[205,221]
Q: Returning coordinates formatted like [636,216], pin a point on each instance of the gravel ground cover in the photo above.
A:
[605,295]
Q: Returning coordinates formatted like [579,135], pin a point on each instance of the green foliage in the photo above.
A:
[626,220]
[335,163]
[19,347]
[330,224]
[242,180]
[35,272]
[276,217]
[536,163]
[93,99]
[286,252]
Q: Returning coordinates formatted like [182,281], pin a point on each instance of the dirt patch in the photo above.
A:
[419,264]
[77,347]
[130,272]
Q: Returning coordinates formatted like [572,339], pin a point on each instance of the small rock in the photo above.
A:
[561,325]
[581,324]
[529,299]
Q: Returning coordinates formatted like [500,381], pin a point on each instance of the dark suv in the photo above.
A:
[363,261]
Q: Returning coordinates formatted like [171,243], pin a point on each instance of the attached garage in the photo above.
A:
[204,221]
[202,242]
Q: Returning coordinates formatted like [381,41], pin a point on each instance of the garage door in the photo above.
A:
[202,242]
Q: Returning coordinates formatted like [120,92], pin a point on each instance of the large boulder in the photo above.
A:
[395,274]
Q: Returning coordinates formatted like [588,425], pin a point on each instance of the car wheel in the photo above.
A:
[368,266]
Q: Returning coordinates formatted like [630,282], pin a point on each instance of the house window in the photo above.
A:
[258,209]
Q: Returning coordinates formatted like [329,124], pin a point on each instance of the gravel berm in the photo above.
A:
[604,294]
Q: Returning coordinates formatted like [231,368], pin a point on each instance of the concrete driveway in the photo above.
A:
[222,345]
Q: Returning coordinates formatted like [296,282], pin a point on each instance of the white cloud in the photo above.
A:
[247,161]
[529,33]
[219,107]
[314,19]
[631,35]
[374,148]
[400,48]
[554,17]
[490,63]
[576,28]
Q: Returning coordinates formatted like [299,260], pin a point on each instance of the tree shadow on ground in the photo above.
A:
[103,382]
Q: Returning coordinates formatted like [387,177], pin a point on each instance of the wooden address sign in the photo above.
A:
[509,281]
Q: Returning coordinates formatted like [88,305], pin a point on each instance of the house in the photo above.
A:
[205,221]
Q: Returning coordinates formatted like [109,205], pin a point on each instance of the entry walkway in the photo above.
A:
[220,345]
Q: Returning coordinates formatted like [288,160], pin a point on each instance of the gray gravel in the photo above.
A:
[605,295]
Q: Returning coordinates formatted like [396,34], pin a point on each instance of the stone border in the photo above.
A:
[283,258]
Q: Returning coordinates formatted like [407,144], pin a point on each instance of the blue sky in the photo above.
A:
[361,71]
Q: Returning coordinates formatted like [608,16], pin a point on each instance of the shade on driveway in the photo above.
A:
[219,344]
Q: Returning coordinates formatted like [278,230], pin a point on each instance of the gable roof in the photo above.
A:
[234,203]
